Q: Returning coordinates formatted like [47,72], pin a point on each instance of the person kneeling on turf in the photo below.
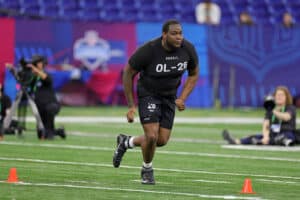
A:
[44,96]
[5,104]
[279,124]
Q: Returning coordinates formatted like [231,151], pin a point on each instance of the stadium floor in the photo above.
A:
[194,165]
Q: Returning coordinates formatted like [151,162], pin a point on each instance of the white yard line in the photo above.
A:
[157,182]
[88,134]
[193,140]
[134,167]
[210,181]
[261,147]
[277,181]
[228,156]
[138,190]
[86,182]
[186,120]
[62,146]
[181,153]
[108,135]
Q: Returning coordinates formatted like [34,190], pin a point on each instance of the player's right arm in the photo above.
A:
[137,62]
[128,77]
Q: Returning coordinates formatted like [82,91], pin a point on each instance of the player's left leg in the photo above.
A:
[163,136]
[164,131]
[166,121]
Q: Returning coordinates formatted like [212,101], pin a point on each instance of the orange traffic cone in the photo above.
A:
[247,188]
[12,177]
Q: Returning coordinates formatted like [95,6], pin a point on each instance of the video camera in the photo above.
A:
[25,76]
[269,102]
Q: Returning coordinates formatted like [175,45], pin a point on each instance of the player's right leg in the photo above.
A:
[147,142]
[148,147]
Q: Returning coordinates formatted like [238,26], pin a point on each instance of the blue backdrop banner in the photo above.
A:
[252,61]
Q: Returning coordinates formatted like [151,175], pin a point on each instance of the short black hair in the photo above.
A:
[39,58]
[167,24]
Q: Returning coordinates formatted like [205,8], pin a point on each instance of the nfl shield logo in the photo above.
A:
[92,50]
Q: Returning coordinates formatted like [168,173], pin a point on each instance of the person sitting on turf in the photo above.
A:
[279,124]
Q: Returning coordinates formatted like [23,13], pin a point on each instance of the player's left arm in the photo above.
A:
[187,88]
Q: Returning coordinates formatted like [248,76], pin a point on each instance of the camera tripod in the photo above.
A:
[8,119]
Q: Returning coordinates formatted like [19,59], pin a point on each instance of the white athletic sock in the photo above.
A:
[130,143]
[147,165]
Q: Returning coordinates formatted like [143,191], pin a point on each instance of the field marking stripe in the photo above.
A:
[157,182]
[63,146]
[158,151]
[107,135]
[277,181]
[210,181]
[185,120]
[158,169]
[229,156]
[262,148]
[139,190]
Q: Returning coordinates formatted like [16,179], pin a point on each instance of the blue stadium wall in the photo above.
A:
[261,57]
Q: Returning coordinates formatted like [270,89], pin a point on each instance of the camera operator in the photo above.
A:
[44,97]
[279,124]
[5,105]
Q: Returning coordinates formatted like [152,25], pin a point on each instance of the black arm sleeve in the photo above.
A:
[141,57]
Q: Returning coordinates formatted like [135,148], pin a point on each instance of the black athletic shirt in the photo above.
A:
[161,70]
[5,104]
[43,91]
[286,126]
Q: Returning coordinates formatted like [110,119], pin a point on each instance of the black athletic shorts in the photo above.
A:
[154,109]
